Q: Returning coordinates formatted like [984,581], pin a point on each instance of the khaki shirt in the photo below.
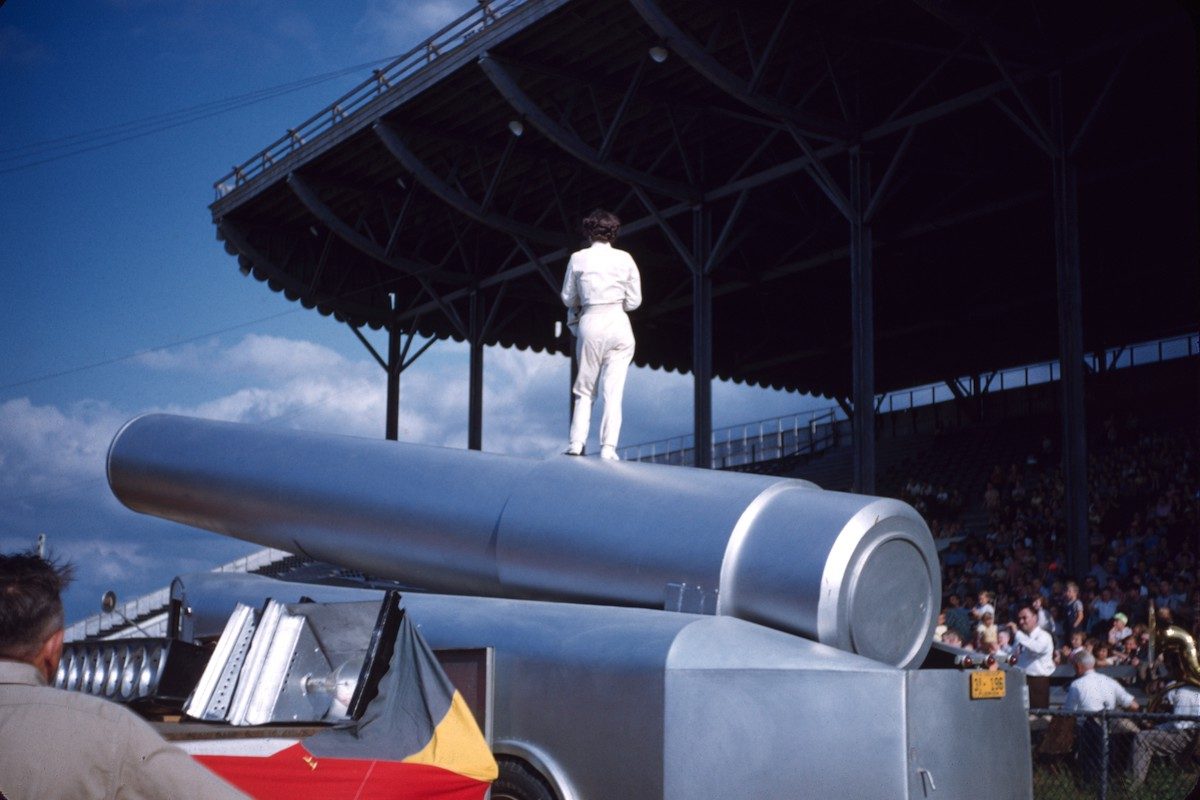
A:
[60,745]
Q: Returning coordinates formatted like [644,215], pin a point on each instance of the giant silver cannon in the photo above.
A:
[854,572]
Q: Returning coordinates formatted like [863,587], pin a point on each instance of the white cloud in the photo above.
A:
[44,448]
[392,27]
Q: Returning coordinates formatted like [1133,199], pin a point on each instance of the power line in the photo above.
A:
[135,354]
[49,150]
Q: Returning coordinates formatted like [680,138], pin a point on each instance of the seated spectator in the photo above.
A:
[1167,738]
[942,627]
[986,632]
[1092,692]
[952,638]
[1076,646]
[1004,645]
[983,607]
[1103,609]
[957,618]
[1120,630]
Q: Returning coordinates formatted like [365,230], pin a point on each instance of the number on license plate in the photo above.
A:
[987,685]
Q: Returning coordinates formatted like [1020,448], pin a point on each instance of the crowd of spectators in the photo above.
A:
[1144,518]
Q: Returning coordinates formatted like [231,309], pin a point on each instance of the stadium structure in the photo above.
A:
[845,199]
[974,231]
[848,200]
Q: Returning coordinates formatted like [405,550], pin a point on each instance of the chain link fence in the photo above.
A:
[1114,755]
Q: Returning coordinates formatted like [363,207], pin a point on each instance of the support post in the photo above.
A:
[702,337]
[862,325]
[475,387]
[393,377]
[1070,335]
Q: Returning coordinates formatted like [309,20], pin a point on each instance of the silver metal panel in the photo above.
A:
[963,744]
[635,703]
[581,685]
[754,713]
[294,662]
[214,692]
[858,573]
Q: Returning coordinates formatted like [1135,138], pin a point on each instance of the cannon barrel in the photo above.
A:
[854,572]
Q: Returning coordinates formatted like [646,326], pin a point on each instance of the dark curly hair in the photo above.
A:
[31,607]
[601,226]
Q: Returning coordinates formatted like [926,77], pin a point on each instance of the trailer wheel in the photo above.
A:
[519,781]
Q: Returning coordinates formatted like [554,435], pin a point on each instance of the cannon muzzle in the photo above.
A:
[854,572]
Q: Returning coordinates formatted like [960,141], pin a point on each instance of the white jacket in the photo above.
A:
[602,275]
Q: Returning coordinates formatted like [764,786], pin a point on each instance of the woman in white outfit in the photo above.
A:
[601,284]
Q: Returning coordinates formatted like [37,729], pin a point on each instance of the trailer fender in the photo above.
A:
[538,762]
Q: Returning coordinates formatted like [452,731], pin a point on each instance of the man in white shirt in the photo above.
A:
[1168,738]
[1035,655]
[601,284]
[1092,692]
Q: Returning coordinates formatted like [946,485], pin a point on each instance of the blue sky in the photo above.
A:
[116,299]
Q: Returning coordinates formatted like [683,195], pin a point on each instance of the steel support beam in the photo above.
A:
[453,197]
[862,326]
[421,272]
[700,60]
[1070,334]
[567,141]
[404,266]
[702,335]
[475,387]
[393,380]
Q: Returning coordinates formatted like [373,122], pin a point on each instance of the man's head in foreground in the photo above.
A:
[31,611]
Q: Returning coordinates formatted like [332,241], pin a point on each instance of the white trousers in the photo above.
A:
[604,349]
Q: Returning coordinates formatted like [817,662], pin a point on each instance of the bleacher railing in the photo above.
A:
[811,432]
[449,38]
[765,440]
[147,609]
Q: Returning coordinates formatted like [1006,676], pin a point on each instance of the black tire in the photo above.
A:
[519,781]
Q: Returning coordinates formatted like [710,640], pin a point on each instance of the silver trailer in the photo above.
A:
[655,631]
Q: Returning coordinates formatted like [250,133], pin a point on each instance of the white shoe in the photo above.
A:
[609,453]
[574,449]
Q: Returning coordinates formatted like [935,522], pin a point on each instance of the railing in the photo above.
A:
[143,609]
[1113,755]
[794,434]
[439,44]
[811,432]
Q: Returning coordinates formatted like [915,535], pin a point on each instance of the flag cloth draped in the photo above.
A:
[417,740]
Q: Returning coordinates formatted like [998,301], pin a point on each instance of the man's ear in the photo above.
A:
[48,657]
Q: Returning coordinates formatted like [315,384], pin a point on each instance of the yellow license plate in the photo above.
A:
[987,685]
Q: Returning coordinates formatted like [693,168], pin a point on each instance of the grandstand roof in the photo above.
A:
[415,184]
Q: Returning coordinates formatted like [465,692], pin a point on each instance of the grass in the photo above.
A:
[1165,781]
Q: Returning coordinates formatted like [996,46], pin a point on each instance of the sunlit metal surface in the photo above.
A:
[858,573]
[638,703]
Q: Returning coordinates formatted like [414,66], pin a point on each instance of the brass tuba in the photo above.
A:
[1175,641]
